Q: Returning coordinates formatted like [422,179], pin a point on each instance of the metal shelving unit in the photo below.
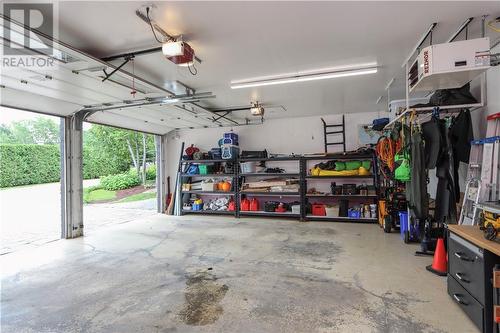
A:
[306,197]
[301,195]
[298,175]
[233,193]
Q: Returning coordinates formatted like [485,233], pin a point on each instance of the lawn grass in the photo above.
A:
[139,196]
[92,195]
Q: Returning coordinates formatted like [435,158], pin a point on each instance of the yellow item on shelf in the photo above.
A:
[319,172]
[363,172]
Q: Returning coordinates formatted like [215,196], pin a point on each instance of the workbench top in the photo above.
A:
[476,236]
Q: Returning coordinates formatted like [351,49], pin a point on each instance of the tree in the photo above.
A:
[6,135]
[40,130]
[137,147]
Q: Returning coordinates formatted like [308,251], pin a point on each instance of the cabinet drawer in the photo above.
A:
[466,265]
[467,303]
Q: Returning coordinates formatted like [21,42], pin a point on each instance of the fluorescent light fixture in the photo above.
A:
[172,49]
[329,73]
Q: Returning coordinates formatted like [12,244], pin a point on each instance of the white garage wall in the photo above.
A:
[287,135]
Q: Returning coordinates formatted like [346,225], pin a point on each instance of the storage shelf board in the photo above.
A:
[270,159]
[271,193]
[339,156]
[425,109]
[209,192]
[207,161]
[354,196]
[332,177]
[215,212]
[210,175]
[341,219]
[261,174]
[263,213]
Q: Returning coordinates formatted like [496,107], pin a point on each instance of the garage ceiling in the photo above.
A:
[238,40]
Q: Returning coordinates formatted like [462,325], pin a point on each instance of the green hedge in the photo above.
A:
[26,164]
[29,164]
[120,181]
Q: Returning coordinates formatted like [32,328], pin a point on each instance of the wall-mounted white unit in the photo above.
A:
[449,65]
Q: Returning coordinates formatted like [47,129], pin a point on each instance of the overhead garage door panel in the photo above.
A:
[19,99]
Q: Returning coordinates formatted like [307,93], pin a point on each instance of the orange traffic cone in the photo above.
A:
[440,262]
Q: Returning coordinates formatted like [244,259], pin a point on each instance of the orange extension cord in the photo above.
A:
[385,150]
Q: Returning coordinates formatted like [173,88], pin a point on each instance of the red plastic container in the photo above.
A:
[231,206]
[254,205]
[245,204]
[318,210]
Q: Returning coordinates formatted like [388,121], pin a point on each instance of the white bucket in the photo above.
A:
[332,211]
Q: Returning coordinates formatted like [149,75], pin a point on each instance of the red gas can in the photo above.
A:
[231,206]
[318,210]
[254,205]
[245,204]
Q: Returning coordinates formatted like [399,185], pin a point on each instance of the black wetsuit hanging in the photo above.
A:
[445,194]
[433,142]
[461,134]
[417,196]
[439,154]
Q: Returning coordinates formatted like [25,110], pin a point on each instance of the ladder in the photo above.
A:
[326,133]
[468,213]
[482,183]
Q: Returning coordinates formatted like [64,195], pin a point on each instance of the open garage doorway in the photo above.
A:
[123,164]
[30,174]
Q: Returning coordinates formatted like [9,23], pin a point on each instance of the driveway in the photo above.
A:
[31,215]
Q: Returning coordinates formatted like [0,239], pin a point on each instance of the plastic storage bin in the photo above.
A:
[208,186]
[215,153]
[354,213]
[230,135]
[332,211]
[197,207]
[204,169]
[248,167]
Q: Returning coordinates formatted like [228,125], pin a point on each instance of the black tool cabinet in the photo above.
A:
[470,274]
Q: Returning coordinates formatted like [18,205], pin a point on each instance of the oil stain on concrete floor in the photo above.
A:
[203,296]
[210,274]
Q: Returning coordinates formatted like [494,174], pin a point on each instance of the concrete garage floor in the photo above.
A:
[214,274]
